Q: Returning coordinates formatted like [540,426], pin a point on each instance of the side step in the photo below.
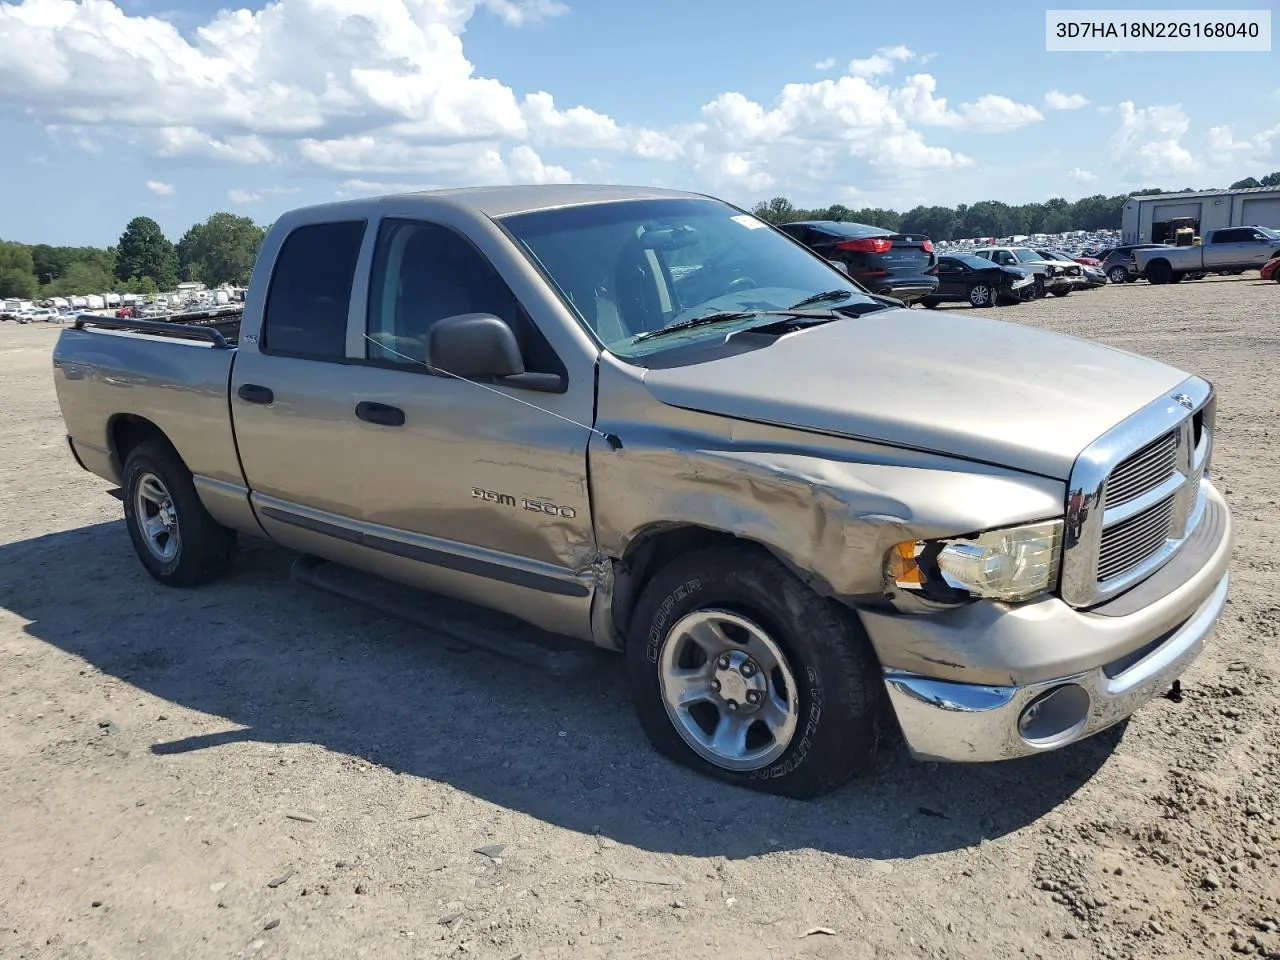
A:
[475,626]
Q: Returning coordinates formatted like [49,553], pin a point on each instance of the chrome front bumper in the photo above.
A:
[952,721]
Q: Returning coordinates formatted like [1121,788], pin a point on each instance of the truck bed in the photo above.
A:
[113,374]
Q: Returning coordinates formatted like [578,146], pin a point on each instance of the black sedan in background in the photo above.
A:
[895,264]
[964,278]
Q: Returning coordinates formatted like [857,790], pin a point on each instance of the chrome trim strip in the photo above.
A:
[447,554]
[1086,505]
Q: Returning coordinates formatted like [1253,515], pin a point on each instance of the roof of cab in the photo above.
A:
[503,201]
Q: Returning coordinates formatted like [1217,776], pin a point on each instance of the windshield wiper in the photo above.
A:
[727,315]
[827,296]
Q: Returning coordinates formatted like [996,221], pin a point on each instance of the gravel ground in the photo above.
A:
[256,769]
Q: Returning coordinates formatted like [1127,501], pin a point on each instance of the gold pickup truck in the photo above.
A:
[649,421]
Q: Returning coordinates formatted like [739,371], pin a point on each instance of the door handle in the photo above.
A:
[253,393]
[382,413]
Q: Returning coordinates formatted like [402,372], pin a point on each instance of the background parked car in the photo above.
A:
[896,264]
[1051,276]
[1120,265]
[1092,273]
[1271,269]
[964,278]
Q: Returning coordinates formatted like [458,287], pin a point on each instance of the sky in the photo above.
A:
[175,109]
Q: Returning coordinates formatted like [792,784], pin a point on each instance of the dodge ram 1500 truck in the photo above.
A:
[650,421]
[1229,250]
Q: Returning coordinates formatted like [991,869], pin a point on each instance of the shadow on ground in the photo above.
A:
[283,663]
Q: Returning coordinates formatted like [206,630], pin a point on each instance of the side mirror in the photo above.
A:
[474,345]
[840,265]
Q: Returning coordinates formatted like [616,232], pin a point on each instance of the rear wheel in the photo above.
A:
[1118,275]
[740,671]
[1160,272]
[1062,292]
[980,295]
[929,303]
[176,539]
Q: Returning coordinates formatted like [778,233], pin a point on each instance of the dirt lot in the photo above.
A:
[255,769]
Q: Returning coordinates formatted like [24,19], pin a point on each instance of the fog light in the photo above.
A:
[1055,716]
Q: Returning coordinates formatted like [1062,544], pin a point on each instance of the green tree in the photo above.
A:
[777,210]
[17,272]
[1245,184]
[937,223]
[220,250]
[1270,180]
[144,251]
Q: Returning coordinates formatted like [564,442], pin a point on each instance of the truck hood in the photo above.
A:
[948,382]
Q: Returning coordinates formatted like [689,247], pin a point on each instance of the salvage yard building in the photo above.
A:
[1155,219]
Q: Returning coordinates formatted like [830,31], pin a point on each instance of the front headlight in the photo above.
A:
[1012,564]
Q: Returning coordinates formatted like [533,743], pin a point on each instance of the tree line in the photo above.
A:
[220,250]
[987,218]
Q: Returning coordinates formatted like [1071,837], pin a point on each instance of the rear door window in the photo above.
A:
[310,294]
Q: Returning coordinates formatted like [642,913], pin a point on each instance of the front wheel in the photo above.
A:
[176,539]
[738,670]
[1062,293]
[1118,275]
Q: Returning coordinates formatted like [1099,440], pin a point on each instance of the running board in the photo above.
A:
[474,626]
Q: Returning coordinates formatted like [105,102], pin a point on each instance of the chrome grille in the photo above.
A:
[1135,495]
[1143,471]
[1131,541]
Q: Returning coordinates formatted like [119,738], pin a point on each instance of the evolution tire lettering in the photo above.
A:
[800,751]
[532,504]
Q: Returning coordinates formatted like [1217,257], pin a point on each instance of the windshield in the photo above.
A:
[1268,232]
[1025,255]
[632,267]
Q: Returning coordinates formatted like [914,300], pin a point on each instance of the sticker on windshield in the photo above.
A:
[748,221]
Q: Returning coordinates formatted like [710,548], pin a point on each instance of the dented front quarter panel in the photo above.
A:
[829,507]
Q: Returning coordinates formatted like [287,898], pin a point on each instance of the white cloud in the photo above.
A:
[1057,100]
[885,60]
[1082,176]
[825,64]
[159,188]
[381,91]
[990,113]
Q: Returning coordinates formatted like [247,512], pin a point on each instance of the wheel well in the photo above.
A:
[650,552]
[126,431]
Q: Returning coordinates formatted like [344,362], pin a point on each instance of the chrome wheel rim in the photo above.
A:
[157,517]
[728,690]
[979,295]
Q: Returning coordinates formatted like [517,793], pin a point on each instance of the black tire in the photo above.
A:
[929,303]
[1061,293]
[203,548]
[1118,274]
[1159,272]
[1179,277]
[840,687]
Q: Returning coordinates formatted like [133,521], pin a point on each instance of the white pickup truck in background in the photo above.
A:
[1228,250]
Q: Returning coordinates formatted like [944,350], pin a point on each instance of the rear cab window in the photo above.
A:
[310,292]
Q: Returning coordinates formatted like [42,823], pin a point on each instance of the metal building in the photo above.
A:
[1154,219]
